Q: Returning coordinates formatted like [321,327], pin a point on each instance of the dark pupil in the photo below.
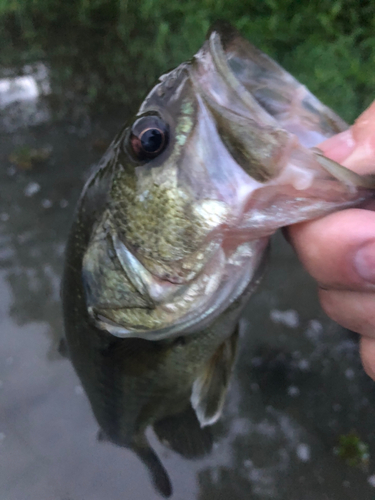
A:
[151,140]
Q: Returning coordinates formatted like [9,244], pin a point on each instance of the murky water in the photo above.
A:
[297,387]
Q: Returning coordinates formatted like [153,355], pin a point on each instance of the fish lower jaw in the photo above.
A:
[194,305]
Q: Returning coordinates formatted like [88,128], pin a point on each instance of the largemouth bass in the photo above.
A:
[171,234]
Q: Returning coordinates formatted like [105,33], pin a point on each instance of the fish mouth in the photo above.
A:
[269,90]
[265,124]
[273,182]
[176,308]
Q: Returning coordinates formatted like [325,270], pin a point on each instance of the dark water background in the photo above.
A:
[298,384]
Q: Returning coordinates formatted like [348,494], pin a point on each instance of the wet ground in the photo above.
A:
[298,384]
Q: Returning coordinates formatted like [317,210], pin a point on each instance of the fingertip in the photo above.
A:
[327,247]
[367,350]
[339,147]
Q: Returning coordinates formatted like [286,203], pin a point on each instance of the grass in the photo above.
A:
[113,50]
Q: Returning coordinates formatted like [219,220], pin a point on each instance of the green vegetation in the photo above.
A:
[114,50]
[352,450]
[26,158]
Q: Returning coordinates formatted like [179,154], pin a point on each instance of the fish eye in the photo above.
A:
[148,137]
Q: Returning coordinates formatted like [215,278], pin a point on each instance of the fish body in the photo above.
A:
[171,233]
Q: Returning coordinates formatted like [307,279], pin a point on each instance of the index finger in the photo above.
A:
[355,148]
[328,247]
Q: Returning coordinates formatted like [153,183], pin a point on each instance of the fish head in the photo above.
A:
[215,160]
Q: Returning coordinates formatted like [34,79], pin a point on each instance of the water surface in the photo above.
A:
[298,383]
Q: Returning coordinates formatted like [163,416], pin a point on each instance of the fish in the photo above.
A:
[171,234]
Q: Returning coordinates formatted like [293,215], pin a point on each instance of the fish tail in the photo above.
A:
[156,469]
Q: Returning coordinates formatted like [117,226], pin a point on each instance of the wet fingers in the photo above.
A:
[339,250]
[352,310]
[368,355]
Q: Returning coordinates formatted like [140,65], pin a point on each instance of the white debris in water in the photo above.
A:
[21,88]
[288,318]
[31,189]
[314,330]
[303,365]
[6,253]
[78,389]
[24,237]
[248,463]
[46,203]
[365,401]
[371,480]
[60,250]
[4,217]
[64,203]
[262,481]
[293,391]
[303,452]
[11,171]
[257,361]
[349,373]
[241,426]
[266,428]
[214,473]
[20,98]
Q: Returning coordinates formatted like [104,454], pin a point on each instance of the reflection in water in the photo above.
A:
[22,88]
[21,102]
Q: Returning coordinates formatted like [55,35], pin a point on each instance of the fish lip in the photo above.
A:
[177,276]
[130,261]
[203,315]
[226,45]
[147,283]
[219,47]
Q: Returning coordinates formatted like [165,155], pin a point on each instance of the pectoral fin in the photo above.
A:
[210,388]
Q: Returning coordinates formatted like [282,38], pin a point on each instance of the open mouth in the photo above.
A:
[258,78]
[261,178]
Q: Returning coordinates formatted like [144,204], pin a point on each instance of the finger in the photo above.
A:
[338,250]
[339,147]
[362,158]
[355,148]
[367,351]
[352,310]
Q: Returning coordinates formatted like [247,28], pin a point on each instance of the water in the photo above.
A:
[298,383]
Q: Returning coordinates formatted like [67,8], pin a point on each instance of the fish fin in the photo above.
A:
[159,475]
[62,348]
[183,434]
[141,447]
[209,389]
[344,174]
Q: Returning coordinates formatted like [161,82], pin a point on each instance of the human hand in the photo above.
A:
[339,249]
